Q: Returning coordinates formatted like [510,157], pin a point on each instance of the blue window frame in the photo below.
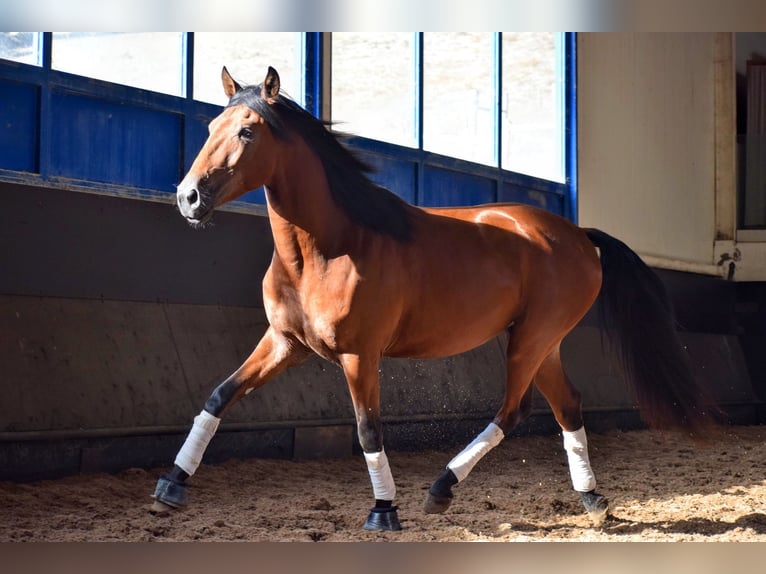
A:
[427,178]
[66,131]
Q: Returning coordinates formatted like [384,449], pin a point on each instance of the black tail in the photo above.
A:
[637,317]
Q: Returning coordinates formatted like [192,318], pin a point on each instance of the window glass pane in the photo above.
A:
[147,60]
[457,95]
[20,47]
[532,105]
[373,85]
[247,56]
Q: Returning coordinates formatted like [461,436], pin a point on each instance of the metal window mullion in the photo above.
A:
[419,114]
[187,68]
[45,113]
[419,77]
[313,73]
[497,68]
[46,49]
[570,124]
[497,114]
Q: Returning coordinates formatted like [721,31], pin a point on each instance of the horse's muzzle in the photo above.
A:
[192,205]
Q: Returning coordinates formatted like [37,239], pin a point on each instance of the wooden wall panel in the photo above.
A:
[106,141]
[19,126]
[647,141]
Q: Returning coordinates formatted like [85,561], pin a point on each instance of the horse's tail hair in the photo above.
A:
[637,319]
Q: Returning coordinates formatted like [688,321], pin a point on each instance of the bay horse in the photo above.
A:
[357,274]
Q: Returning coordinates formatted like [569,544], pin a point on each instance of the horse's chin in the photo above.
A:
[198,221]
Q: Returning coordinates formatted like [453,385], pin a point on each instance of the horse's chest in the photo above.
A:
[317,332]
[313,323]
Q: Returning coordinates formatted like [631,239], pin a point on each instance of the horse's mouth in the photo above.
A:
[199,220]
[197,215]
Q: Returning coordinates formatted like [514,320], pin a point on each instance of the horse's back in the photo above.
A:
[534,224]
[552,244]
[554,256]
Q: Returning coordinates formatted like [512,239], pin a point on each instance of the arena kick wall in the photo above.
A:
[117,320]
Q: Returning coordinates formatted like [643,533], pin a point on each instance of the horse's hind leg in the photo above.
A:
[440,494]
[564,400]
[273,354]
[524,355]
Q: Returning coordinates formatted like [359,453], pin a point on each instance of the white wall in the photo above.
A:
[646,141]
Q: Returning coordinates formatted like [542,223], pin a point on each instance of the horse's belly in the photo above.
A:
[439,346]
[443,332]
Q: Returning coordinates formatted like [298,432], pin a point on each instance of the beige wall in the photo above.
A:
[646,149]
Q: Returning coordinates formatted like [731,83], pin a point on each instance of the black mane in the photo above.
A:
[365,202]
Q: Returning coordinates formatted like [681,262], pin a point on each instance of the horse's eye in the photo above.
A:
[245,134]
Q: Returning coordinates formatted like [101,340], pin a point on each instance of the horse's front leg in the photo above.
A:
[364,386]
[274,353]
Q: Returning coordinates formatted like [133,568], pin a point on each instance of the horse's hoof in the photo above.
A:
[436,504]
[160,507]
[383,519]
[440,494]
[169,494]
[596,505]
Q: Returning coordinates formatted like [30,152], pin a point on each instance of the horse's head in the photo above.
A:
[238,155]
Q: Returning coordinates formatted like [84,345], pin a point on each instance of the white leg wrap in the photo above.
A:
[488,439]
[190,455]
[576,445]
[380,473]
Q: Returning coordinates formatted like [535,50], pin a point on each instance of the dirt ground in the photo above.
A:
[661,488]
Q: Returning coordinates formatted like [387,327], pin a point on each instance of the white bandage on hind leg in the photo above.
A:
[190,455]
[488,439]
[383,486]
[576,445]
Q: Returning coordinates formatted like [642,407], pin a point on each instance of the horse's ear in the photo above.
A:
[270,88]
[230,87]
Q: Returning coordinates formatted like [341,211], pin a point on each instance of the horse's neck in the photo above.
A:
[306,224]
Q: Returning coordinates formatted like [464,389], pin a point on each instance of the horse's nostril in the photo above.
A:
[193,198]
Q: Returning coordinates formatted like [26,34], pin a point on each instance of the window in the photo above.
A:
[247,56]
[445,118]
[532,110]
[495,99]
[148,60]
[20,47]
[373,85]
[458,114]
